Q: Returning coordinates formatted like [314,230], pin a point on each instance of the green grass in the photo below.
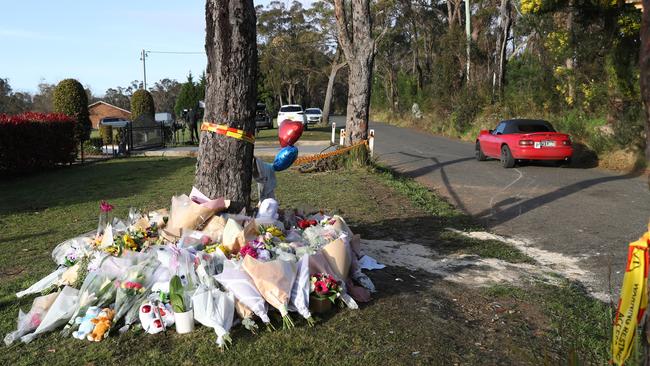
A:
[314,133]
[420,320]
[580,327]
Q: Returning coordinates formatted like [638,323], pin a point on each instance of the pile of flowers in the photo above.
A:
[221,264]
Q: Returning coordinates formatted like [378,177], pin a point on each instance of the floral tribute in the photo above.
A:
[226,264]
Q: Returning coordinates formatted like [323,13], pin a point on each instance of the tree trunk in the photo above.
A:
[644,66]
[224,164]
[336,66]
[505,22]
[359,81]
[355,38]
[570,61]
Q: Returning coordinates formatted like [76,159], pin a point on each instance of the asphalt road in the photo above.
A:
[590,214]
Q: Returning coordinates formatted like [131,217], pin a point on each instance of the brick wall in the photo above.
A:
[101,110]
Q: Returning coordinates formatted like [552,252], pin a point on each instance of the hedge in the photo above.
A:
[31,141]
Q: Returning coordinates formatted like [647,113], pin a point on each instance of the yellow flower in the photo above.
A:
[112,250]
[129,243]
[275,231]
[223,249]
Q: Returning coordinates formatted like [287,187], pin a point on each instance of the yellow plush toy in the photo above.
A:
[103,323]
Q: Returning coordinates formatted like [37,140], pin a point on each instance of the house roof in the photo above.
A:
[108,104]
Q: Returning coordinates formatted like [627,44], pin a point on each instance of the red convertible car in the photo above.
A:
[523,139]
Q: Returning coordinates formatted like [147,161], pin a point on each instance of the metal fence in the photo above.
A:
[145,137]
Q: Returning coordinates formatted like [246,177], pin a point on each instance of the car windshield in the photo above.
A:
[261,107]
[534,127]
[291,108]
[312,111]
[110,119]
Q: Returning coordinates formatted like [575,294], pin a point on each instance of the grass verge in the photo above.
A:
[419,319]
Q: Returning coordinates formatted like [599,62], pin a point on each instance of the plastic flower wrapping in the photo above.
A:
[228,265]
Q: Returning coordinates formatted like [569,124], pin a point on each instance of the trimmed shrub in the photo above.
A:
[106,132]
[142,104]
[31,141]
[70,98]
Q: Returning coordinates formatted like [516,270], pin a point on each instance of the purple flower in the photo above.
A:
[263,255]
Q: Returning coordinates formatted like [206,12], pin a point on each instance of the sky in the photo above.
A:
[99,42]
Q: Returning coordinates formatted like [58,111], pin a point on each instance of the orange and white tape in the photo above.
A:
[228,131]
[310,158]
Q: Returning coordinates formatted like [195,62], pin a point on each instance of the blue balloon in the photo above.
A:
[285,158]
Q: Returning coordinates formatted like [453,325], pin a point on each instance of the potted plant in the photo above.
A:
[183,317]
[325,289]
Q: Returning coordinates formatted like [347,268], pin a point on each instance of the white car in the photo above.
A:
[116,122]
[292,112]
[314,115]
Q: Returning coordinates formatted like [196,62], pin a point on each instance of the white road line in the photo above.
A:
[521,175]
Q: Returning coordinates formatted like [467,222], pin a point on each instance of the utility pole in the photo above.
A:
[468,30]
[143,57]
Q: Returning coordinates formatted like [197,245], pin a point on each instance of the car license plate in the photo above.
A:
[548,143]
[545,143]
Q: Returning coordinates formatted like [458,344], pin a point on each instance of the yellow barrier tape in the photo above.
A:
[310,158]
[228,131]
[633,301]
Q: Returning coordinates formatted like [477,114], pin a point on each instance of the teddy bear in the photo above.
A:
[85,323]
[103,323]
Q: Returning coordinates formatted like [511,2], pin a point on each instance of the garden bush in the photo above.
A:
[106,132]
[70,98]
[31,141]
[142,104]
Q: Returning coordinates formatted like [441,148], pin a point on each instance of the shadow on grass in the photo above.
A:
[81,184]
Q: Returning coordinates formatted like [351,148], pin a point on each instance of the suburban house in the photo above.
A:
[99,110]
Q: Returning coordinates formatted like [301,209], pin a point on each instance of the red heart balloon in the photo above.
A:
[289,132]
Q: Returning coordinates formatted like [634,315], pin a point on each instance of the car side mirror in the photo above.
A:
[491,132]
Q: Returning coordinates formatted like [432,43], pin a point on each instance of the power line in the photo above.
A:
[178,52]
[145,53]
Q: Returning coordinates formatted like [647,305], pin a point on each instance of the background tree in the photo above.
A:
[297,53]
[142,105]
[164,93]
[117,97]
[190,94]
[13,102]
[70,98]
[224,164]
[43,100]
[355,34]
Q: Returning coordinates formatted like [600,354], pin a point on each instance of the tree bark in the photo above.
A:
[355,38]
[505,22]
[644,66]
[336,66]
[570,61]
[224,164]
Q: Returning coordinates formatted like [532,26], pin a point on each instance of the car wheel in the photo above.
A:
[479,153]
[507,161]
